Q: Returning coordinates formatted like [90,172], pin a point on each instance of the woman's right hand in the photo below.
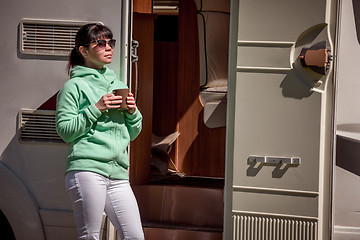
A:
[108,101]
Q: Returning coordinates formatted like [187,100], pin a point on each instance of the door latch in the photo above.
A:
[317,58]
[134,46]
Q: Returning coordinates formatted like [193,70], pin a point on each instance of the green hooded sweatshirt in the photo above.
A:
[98,140]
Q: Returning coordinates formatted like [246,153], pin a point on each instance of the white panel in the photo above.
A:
[29,80]
[279,108]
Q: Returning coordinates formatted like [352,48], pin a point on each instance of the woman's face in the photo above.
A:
[98,53]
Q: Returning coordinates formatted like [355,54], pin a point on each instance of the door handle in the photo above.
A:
[134,55]
[317,60]
[274,160]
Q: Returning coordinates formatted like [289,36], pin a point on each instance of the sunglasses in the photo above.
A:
[101,43]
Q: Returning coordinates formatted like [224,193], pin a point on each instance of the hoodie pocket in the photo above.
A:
[97,146]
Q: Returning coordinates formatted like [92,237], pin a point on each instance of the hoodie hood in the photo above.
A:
[82,71]
[99,77]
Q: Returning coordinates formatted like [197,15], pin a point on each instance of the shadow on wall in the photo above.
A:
[278,172]
[293,86]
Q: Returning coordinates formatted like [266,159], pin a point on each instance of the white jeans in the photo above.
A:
[91,194]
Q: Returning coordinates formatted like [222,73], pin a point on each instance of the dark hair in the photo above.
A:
[85,35]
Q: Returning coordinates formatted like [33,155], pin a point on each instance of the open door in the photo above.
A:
[280,129]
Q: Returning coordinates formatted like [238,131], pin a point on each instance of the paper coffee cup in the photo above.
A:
[123,92]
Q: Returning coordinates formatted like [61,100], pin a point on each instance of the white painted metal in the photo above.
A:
[277,107]
[32,191]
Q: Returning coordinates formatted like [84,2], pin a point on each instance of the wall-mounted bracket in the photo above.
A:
[274,160]
[317,57]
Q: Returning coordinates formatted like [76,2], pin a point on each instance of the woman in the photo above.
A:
[88,117]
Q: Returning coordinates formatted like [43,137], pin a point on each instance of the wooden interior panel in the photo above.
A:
[140,149]
[212,150]
[165,88]
[142,6]
[189,106]
[170,101]
[200,150]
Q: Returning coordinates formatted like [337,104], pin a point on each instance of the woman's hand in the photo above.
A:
[130,101]
[109,101]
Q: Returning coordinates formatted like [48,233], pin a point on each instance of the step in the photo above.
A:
[179,234]
[177,205]
[194,181]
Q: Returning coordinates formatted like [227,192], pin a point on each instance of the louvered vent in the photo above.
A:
[38,126]
[52,38]
[270,228]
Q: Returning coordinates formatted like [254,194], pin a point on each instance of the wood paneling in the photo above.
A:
[140,149]
[165,88]
[142,6]
[189,106]
[200,150]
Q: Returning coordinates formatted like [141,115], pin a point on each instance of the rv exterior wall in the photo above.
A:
[26,82]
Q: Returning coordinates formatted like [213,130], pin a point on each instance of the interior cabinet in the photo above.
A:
[140,149]
[142,6]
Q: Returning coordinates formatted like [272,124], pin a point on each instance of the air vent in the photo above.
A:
[38,126]
[269,228]
[46,37]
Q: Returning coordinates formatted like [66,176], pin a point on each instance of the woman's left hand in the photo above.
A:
[130,101]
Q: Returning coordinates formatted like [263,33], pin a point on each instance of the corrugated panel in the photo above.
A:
[43,37]
[38,126]
[248,227]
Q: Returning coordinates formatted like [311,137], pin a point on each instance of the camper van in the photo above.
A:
[251,124]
